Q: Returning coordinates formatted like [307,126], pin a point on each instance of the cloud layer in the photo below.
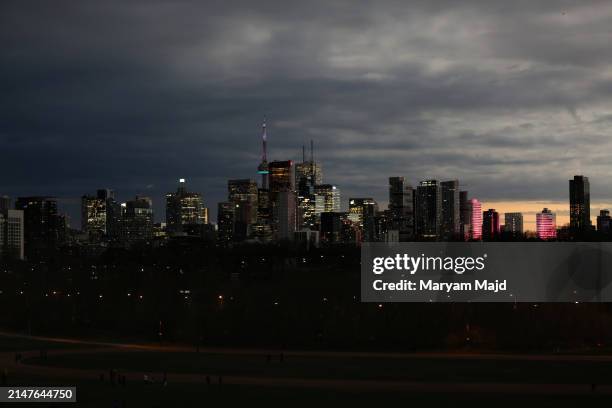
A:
[512,98]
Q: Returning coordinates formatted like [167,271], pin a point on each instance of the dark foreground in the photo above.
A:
[158,376]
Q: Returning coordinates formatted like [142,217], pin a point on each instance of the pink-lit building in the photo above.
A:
[546,224]
[476,221]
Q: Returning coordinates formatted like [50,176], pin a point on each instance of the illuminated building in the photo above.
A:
[362,212]
[546,226]
[428,209]
[490,225]
[580,205]
[11,233]
[184,208]
[327,198]
[243,193]
[476,219]
[94,214]
[281,177]
[513,224]
[450,218]
[136,220]
[308,174]
[401,208]
[225,222]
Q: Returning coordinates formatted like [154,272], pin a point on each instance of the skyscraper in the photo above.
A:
[42,225]
[225,222]
[546,226]
[362,212]
[184,208]
[327,198]
[136,220]
[450,222]
[94,214]
[308,174]
[513,224]
[286,215]
[476,219]
[281,180]
[11,234]
[243,194]
[490,225]
[465,215]
[580,205]
[428,209]
[401,208]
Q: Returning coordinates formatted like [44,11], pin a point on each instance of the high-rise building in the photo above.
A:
[281,177]
[428,209]
[465,215]
[308,174]
[225,222]
[490,225]
[137,220]
[327,198]
[475,219]
[362,212]
[243,193]
[184,209]
[42,225]
[604,222]
[546,225]
[94,214]
[331,227]
[580,205]
[401,208]
[286,215]
[11,233]
[513,224]
[451,204]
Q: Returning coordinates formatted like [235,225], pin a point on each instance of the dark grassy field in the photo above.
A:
[339,367]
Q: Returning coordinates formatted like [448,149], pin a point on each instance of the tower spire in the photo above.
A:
[264,140]
[263,166]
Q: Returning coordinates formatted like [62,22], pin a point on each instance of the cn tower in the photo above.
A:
[263,166]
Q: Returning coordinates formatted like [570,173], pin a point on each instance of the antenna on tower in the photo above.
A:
[311,150]
[303,154]
[264,139]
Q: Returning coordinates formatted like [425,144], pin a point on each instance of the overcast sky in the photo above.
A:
[512,98]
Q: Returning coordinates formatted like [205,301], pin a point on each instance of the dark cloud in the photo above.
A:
[512,98]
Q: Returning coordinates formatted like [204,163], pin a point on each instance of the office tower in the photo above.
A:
[262,169]
[546,226]
[262,230]
[401,208]
[490,225]
[114,212]
[603,222]
[308,174]
[361,213]
[225,222]
[428,210]
[11,233]
[41,224]
[137,220]
[243,193]
[475,219]
[580,205]
[184,209]
[94,214]
[450,221]
[513,224]
[281,177]
[327,198]
[286,215]
[465,215]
